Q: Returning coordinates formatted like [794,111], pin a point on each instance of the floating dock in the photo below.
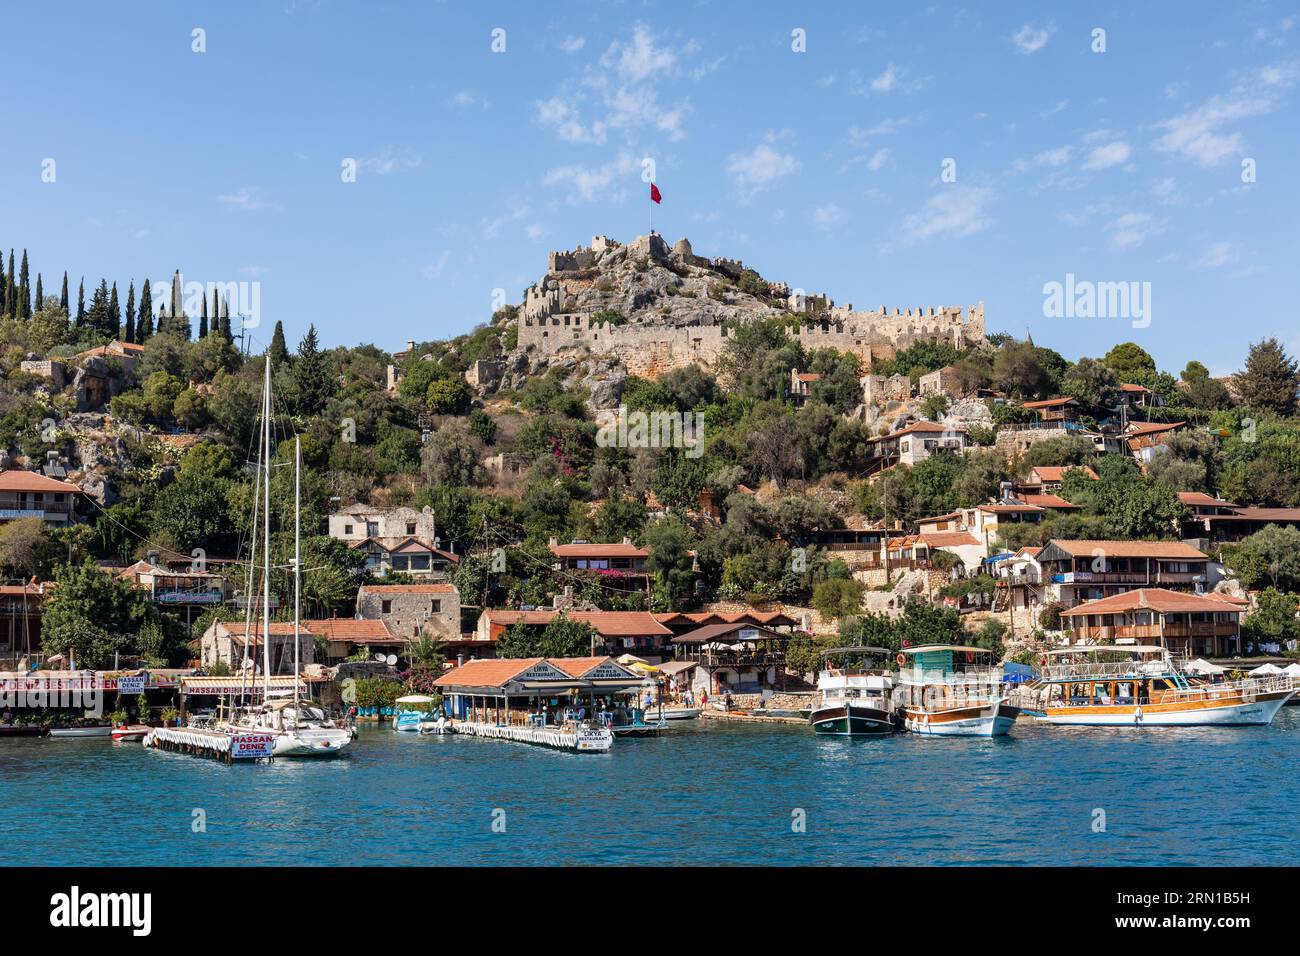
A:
[582,739]
[217,744]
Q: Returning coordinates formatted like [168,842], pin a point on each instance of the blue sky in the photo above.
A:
[821,168]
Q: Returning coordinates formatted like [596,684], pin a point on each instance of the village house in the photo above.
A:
[1219,521]
[1190,625]
[620,565]
[358,522]
[20,619]
[983,521]
[29,494]
[1047,479]
[683,622]
[414,556]
[616,632]
[917,551]
[1013,575]
[412,610]
[915,443]
[734,658]
[225,643]
[1137,396]
[1074,571]
[344,637]
[882,389]
[801,385]
[178,588]
[1145,440]
[126,353]
[1054,412]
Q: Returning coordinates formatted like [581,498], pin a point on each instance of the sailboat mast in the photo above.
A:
[266,534]
[297,560]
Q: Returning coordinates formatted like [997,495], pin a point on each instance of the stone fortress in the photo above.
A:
[672,314]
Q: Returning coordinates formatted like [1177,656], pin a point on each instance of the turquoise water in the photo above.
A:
[705,793]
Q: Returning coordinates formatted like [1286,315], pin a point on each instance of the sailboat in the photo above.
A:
[298,728]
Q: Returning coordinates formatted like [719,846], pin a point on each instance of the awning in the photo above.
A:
[1202,666]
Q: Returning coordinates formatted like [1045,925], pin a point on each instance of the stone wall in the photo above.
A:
[1012,441]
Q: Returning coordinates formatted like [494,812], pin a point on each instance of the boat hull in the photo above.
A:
[845,720]
[681,713]
[105,731]
[994,719]
[322,742]
[1208,713]
[133,732]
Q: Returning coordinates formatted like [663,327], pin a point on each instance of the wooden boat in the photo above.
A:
[950,690]
[21,730]
[1141,686]
[99,730]
[856,699]
[127,732]
[680,713]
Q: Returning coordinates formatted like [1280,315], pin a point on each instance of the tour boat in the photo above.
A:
[948,690]
[127,732]
[856,700]
[1141,686]
[100,730]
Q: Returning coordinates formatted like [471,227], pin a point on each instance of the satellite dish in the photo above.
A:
[379,656]
[392,658]
[428,510]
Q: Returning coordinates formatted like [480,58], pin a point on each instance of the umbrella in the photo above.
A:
[1267,669]
[1202,666]
[1292,669]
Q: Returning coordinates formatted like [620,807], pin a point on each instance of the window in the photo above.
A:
[347,529]
[372,529]
[435,607]
[386,607]
[410,527]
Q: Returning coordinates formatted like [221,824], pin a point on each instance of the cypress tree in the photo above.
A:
[311,375]
[115,314]
[144,327]
[216,311]
[81,303]
[63,296]
[98,316]
[40,293]
[279,352]
[225,323]
[203,319]
[24,291]
[128,334]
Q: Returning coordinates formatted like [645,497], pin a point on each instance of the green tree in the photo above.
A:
[838,598]
[313,383]
[671,563]
[1272,621]
[1270,379]
[1129,361]
[278,350]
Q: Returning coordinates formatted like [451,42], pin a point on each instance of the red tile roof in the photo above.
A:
[347,628]
[948,539]
[1057,472]
[1173,550]
[1201,498]
[1158,599]
[604,623]
[923,428]
[1050,402]
[1047,501]
[16,479]
[617,550]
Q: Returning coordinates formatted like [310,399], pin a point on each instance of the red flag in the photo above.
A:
[655,195]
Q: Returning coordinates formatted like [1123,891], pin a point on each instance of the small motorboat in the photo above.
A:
[89,730]
[679,713]
[127,732]
[412,711]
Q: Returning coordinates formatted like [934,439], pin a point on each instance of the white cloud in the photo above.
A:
[640,58]
[886,81]
[1051,158]
[1112,154]
[759,168]
[1030,39]
[572,45]
[432,270]
[467,98]
[1218,255]
[390,161]
[1133,228]
[1198,134]
[956,212]
[827,215]
[563,118]
[245,198]
[877,162]
[590,183]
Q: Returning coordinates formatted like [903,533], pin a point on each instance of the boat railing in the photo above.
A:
[1136,670]
[968,675]
[1247,688]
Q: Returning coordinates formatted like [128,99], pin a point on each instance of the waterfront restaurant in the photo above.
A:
[537,691]
[734,658]
[1189,625]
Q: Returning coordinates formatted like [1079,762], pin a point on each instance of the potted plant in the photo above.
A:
[118,718]
[170,715]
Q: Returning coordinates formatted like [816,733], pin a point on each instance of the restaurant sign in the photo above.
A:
[132,683]
[251,746]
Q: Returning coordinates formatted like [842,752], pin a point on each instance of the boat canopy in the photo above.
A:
[852,651]
[414,699]
[921,649]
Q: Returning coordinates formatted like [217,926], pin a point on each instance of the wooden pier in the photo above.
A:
[216,744]
[581,739]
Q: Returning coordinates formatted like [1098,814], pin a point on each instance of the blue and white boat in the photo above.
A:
[411,711]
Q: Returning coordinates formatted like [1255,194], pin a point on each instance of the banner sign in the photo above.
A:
[132,683]
[248,746]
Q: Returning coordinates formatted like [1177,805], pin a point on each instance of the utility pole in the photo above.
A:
[884,499]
